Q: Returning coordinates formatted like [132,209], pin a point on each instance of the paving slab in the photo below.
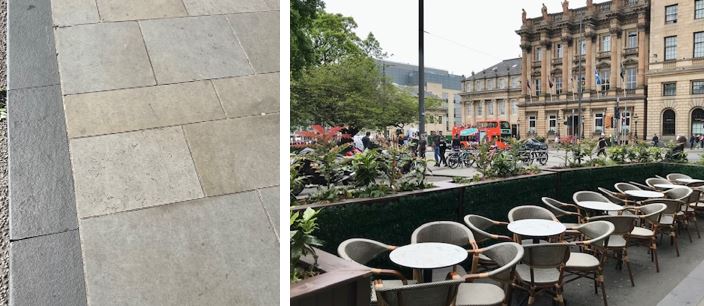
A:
[195,48]
[40,181]
[47,270]
[249,95]
[73,12]
[133,170]
[273,4]
[104,56]
[212,251]
[31,58]
[236,154]
[121,10]
[259,35]
[207,7]
[141,108]
[272,205]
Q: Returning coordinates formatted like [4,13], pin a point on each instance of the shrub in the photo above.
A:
[302,240]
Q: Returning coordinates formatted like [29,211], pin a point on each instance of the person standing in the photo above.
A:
[435,142]
[414,145]
[456,144]
[421,146]
[443,148]
[602,147]
[656,140]
[691,141]
[366,142]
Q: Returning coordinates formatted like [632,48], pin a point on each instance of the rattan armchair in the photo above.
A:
[619,239]
[441,293]
[542,270]
[529,212]
[641,186]
[672,177]
[668,220]
[445,232]
[683,194]
[480,227]
[650,215]
[655,181]
[589,263]
[622,187]
[560,210]
[690,213]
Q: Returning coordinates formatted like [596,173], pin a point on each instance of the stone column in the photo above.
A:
[642,52]
[524,71]
[544,72]
[615,61]
[588,67]
[566,57]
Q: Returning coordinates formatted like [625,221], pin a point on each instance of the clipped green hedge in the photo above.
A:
[688,169]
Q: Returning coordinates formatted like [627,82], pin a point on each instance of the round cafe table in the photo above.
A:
[689,181]
[600,206]
[644,194]
[428,256]
[536,228]
[666,186]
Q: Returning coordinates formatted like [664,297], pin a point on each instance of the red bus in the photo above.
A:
[495,130]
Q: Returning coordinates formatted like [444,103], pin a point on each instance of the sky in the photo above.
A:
[462,35]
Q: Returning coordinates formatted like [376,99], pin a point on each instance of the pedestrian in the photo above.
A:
[421,146]
[656,140]
[443,148]
[691,141]
[602,146]
[701,141]
[456,142]
[366,142]
[414,144]
[435,142]
[400,140]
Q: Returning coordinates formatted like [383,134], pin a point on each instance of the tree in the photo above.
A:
[303,14]
[351,93]
[334,38]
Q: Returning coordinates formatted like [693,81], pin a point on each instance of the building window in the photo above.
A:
[605,75]
[552,123]
[558,50]
[671,14]
[502,107]
[531,124]
[699,44]
[582,47]
[502,83]
[698,87]
[698,9]
[599,123]
[514,106]
[632,40]
[558,84]
[470,86]
[537,87]
[668,122]
[580,81]
[515,82]
[630,77]
[490,84]
[489,108]
[669,89]
[606,43]
[479,108]
[479,86]
[670,48]
[538,54]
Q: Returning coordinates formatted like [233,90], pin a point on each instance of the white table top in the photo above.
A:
[428,255]
[536,227]
[689,181]
[644,194]
[666,186]
[603,206]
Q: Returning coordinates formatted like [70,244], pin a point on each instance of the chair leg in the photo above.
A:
[596,283]
[686,228]
[509,292]
[654,254]
[603,288]
[558,298]
[531,298]
[673,236]
[696,225]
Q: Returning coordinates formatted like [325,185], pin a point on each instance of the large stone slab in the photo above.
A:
[212,251]
[40,181]
[73,12]
[208,7]
[133,170]
[259,35]
[31,58]
[273,4]
[272,205]
[140,108]
[101,57]
[236,154]
[249,95]
[196,48]
[47,271]
[120,10]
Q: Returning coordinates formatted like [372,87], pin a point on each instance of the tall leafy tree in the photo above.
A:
[303,14]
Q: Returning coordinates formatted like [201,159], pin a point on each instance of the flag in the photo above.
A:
[528,84]
[622,71]
[550,83]
[596,77]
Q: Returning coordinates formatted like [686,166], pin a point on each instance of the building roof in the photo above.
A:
[407,75]
[503,68]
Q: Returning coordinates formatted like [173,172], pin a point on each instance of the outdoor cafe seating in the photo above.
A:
[539,251]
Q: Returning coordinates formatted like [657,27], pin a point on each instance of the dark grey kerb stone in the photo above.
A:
[31,54]
[40,180]
[47,270]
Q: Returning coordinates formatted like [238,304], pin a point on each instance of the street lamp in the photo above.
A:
[635,117]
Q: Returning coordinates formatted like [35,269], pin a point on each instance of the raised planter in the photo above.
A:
[342,283]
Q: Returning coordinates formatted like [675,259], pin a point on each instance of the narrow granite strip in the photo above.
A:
[688,291]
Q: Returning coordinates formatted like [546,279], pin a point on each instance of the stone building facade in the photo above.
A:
[493,94]
[561,48]
[676,68]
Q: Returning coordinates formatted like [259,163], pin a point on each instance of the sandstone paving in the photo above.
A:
[141,108]
[249,95]
[99,57]
[120,10]
[195,48]
[132,170]
[204,7]
[74,12]
[236,154]
[272,203]
[259,35]
[212,251]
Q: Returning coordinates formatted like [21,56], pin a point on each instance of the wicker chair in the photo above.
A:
[647,233]
[655,181]
[672,177]
[560,210]
[446,232]
[641,186]
[480,227]
[691,212]
[619,239]
[506,255]
[683,194]
[618,198]
[668,220]
[696,206]
[542,270]
[442,293]
[529,212]
[581,196]
[363,251]
[589,263]
[622,187]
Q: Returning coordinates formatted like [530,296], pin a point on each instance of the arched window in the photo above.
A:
[668,122]
[698,121]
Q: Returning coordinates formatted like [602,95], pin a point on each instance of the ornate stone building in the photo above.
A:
[493,94]
[561,48]
[676,70]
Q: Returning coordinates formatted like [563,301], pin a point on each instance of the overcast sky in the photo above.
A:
[463,36]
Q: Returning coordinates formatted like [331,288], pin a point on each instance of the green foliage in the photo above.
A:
[302,16]
[540,138]
[334,38]
[500,163]
[618,153]
[461,180]
[366,167]
[296,181]
[302,240]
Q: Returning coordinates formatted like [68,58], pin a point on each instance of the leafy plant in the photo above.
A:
[302,240]
[297,181]
[366,167]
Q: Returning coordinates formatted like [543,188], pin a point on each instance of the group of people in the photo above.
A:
[696,140]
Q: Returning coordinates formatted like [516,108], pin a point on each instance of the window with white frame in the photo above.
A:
[582,47]
[558,84]
[558,50]
[515,82]
[470,108]
[502,106]
[489,107]
[606,43]
[469,86]
[698,87]
[514,106]
[479,108]
[698,9]
[605,75]
[479,85]
[490,84]
[538,54]
[625,121]
[669,89]
[502,83]
[699,44]
[531,123]
[552,123]
[671,14]
[630,77]
[670,48]
[537,87]
[632,39]
[599,123]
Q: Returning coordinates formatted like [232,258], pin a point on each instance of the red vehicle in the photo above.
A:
[495,131]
